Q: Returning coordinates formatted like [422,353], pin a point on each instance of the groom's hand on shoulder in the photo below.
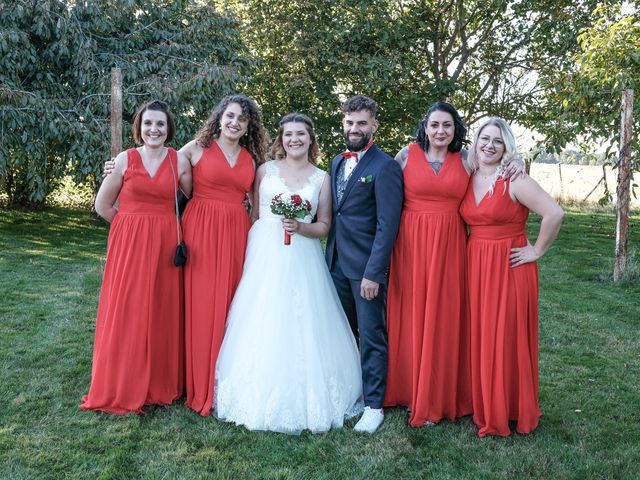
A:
[369,289]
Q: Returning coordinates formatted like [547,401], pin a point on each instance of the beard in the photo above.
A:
[358,144]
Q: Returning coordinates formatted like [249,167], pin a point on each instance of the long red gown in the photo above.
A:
[504,315]
[216,226]
[427,315]
[138,348]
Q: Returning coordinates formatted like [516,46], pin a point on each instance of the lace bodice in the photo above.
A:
[272,184]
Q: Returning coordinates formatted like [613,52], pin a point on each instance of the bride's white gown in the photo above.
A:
[288,361]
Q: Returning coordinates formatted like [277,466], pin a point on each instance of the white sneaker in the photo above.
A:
[371,419]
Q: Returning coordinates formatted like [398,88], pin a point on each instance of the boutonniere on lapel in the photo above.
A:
[366,179]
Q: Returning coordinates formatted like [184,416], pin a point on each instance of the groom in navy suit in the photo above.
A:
[367,188]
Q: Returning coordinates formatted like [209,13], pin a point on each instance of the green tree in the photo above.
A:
[584,100]
[55,61]
[483,56]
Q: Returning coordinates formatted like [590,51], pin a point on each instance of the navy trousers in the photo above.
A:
[368,323]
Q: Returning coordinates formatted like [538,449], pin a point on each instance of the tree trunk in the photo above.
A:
[116,111]
[116,122]
[623,190]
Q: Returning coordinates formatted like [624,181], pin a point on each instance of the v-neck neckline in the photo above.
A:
[153,177]
[226,160]
[445,162]
[476,202]
[286,185]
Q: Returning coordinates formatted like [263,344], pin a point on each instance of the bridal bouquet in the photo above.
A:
[290,206]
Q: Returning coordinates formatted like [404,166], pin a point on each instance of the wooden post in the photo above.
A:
[624,179]
[606,184]
[116,111]
[561,184]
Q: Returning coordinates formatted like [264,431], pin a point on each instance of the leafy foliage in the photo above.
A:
[483,56]
[585,100]
[55,61]
[492,57]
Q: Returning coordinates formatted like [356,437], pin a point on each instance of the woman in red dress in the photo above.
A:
[223,156]
[427,311]
[503,283]
[138,349]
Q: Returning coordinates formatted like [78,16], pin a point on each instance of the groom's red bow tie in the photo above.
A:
[350,154]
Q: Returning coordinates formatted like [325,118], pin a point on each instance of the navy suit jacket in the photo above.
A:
[365,223]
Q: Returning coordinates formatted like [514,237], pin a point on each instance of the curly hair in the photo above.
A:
[360,102]
[255,140]
[277,149]
[157,105]
[459,134]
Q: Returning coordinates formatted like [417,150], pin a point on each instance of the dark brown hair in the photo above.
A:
[459,133]
[255,140]
[277,150]
[360,102]
[159,106]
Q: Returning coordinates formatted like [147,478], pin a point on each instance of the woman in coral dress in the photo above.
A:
[426,308]
[138,349]
[224,157]
[503,284]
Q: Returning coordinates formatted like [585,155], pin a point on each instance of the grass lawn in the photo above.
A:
[50,274]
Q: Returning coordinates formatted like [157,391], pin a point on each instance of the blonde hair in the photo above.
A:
[510,148]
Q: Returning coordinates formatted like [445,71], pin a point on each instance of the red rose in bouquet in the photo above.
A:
[290,206]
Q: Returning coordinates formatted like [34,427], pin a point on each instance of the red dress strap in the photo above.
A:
[133,157]
[173,156]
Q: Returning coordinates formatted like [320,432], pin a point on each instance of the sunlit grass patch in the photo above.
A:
[51,265]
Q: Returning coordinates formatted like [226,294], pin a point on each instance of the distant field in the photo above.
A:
[577,181]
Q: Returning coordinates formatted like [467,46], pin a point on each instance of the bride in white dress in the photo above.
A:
[288,361]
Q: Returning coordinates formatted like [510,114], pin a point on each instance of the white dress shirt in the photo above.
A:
[352,162]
